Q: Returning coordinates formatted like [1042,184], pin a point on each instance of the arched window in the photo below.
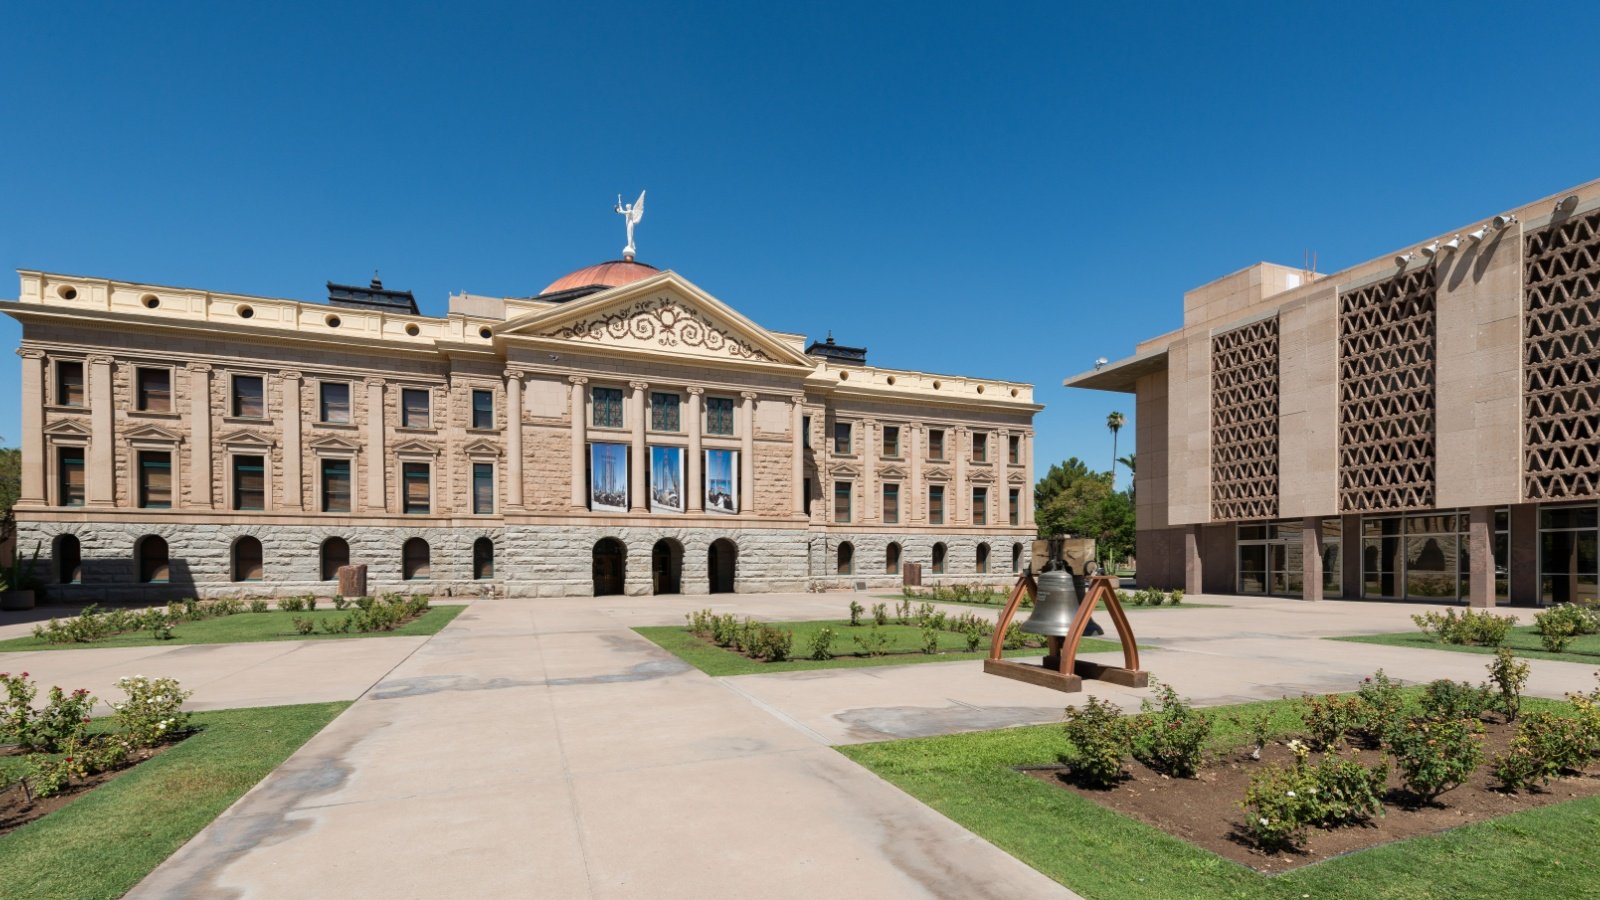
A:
[151,553]
[247,564]
[482,558]
[69,559]
[938,558]
[1016,557]
[983,559]
[847,558]
[891,559]
[335,554]
[414,561]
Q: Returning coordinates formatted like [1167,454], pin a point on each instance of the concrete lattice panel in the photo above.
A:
[1561,360]
[1387,351]
[1244,422]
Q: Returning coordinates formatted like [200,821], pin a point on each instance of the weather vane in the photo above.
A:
[632,213]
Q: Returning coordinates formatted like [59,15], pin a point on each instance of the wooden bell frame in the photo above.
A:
[1062,670]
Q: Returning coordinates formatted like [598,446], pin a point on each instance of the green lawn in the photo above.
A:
[105,841]
[1524,641]
[905,647]
[1000,604]
[246,627]
[1098,853]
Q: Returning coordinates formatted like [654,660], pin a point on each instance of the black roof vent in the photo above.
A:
[855,356]
[374,296]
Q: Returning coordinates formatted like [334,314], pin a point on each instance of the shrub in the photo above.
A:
[1348,792]
[258,606]
[291,604]
[1258,726]
[159,625]
[1280,803]
[856,610]
[1175,596]
[1434,756]
[1154,597]
[880,613]
[930,640]
[973,636]
[303,625]
[1469,627]
[340,602]
[698,623]
[63,719]
[822,643]
[1098,741]
[1558,625]
[1170,738]
[1510,676]
[16,715]
[310,602]
[1381,708]
[153,711]
[1545,745]
[340,625]
[1329,718]
[1444,699]
[874,643]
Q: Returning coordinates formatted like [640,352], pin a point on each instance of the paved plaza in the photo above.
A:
[541,748]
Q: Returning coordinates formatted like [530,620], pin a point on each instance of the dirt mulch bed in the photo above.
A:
[1205,810]
[16,810]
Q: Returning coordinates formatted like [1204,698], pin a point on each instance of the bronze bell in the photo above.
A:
[1055,606]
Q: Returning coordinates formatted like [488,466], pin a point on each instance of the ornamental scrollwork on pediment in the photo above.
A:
[665,322]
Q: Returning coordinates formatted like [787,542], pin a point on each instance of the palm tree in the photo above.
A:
[1114,422]
[1128,462]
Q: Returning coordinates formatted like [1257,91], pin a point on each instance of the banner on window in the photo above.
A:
[666,479]
[608,477]
[722,481]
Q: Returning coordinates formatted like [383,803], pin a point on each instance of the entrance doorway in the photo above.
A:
[722,562]
[610,567]
[666,567]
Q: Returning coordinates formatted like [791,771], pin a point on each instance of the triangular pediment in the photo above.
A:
[68,428]
[1016,478]
[152,433]
[416,448]
[892,472]
[981,477]
[664,315]
[245,439]
[937,473]
[843,470]
[333,442]
[482,447]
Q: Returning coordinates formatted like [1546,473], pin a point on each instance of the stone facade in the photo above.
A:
[336,385]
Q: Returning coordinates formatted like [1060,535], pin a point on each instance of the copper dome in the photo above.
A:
[611,274]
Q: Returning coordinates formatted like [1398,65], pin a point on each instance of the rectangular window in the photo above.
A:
[336,485]
[980,506]
[936,505]
[841,502]
[891,441]
[980,447]
[719,415]
[69,476]
[1014,506]
[249,482]
[664,412]
[249,397]
[155,479]
[805,432]
[154,389]
[891,504]
[607,407]
[414,408]
[482,489]
[335,402]
[1014,449]
[936,443]
[841,437]
[807,496]
[69,384]
[414,481]
[482,409]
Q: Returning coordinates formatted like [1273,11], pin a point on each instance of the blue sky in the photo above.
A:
[991,189]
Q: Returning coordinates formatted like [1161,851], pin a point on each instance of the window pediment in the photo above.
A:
[843,470]
[333,443]
[892,472]
[1016,478]
[152,434]
[937,473]
[415,448]
[481,448]
[67,428]
[244,440]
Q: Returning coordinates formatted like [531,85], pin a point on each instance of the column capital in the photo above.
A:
[198,368]
[639,385]
[101,360]
[291,375]
[748,395]
[515,374]
[30,353]
[578,379]
[798,399]
[697,391]
[374,381]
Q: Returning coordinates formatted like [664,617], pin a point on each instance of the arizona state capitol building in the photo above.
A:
[621,432]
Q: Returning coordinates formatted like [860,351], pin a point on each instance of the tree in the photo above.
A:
[10,488]
[1072,499]
[1114,422]
[1132,481]
[1060,477]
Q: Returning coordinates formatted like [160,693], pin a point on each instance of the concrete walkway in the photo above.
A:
[541,748]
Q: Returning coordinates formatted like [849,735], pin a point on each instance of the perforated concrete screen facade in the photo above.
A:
[1453,379]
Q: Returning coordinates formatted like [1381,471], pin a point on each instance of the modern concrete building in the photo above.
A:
[622,431]
[1420,426]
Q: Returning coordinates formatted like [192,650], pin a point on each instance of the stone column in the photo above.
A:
[202,493]
[102,460]
[34,464]
[868,503]
[636,472]
[797,464]
[911,504]
[694,493]
[1193,582]
[747,453]
[293,454]
[580,442]
[1311,558]
[957,506]
[377,454]
[1025,499]
[1481,561]
[513,438]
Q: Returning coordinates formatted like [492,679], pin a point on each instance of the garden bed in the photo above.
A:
[1205,810]
[18,809]
[247,627]
[1523,641]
